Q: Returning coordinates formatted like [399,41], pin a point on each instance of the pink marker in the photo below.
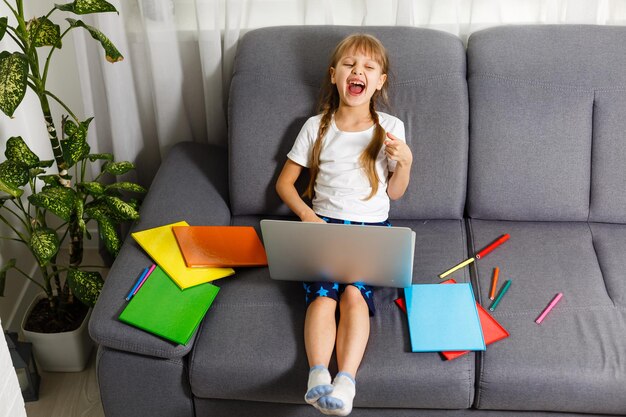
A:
[550,306]
[145,278]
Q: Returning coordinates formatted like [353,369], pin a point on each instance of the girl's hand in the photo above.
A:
[311,218]
[398,151]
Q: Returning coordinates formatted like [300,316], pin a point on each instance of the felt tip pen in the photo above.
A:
[145,278]
[494,282]
[456,268]
[492,246]
[143,274]
[549,308]
[503,291]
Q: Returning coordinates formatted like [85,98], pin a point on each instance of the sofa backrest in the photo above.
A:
[547,126]
[274,89]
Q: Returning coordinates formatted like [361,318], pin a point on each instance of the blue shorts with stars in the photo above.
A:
[334,290]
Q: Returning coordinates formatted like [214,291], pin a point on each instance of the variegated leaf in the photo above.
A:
[44,244]
[111,52]
[106,228]
[85,285]
[50,180]
[13,76]
[18,151]
[43,32]
[95,156]
[80,210]
[75,147]
[92,188]
[126,186]
[120,209]
[12,177]
[59,200]
[118,168]
[87,7]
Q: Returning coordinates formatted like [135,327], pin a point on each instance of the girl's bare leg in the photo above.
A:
[354,330]
[352,336]
[320,331]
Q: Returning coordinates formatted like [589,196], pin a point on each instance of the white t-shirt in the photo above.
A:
[342,186]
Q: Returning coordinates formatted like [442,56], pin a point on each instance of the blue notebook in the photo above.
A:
[443,318]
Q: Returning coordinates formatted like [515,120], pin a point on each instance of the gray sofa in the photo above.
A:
[522,132]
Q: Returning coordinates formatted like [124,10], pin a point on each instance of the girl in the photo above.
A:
[358,160]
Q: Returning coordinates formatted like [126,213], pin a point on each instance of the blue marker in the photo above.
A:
[143,274]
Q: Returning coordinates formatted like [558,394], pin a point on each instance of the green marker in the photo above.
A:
[503,291]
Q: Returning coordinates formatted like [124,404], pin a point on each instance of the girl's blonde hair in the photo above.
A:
[329,103]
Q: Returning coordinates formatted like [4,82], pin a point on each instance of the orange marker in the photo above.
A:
[494,282]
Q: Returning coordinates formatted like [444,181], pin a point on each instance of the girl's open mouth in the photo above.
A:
[356,87]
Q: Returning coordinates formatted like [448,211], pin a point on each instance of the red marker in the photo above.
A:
[492,246]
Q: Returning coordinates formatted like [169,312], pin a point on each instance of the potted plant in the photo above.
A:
[45,203]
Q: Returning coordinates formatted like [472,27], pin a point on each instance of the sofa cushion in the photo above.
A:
[546,131]
[275,86]
[576,359]
[251,346]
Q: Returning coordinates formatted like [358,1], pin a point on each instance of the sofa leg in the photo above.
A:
[135,385]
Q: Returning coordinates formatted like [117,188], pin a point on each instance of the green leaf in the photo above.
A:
[87,7]
[3,274]
[46,164]
[118,168]
[45,244]
[80,210]
[18,151]
[106,228]
[12,177]
[95,156]
[50,180]
[43,32]
[120,209]
[85,285]
[3,26]
[110,51]
[13,76]
[126,186]
[75,147]
[59,200]
[92,188]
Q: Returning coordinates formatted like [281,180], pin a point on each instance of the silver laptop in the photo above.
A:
[374,255]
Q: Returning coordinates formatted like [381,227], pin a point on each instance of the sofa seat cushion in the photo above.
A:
[251,345]
[576,359]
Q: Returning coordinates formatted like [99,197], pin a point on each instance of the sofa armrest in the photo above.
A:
[191,185]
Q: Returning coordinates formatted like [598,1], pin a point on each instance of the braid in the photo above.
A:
[370,154]
[317,150]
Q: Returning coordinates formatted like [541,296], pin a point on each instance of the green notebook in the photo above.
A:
[162,308]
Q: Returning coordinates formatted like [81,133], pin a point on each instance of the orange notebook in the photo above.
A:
[492,330]
[220,246]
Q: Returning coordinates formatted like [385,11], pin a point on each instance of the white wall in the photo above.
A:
[11,401]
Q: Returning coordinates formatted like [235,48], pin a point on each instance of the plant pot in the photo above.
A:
[60,352]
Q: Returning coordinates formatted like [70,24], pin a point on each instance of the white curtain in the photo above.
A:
[173,84]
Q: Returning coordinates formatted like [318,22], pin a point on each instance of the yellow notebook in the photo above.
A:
[161,245]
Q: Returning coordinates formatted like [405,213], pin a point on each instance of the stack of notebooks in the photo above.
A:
[447,319]
[178,293]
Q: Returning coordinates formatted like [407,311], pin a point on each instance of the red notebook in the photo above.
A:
[492,330]
[220,246]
